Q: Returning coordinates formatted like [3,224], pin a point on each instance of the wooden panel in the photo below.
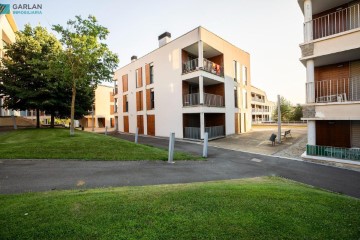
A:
[217,89]
[140,123]
[112,108]
[139,78]
[124,103]
[148,99]
[214,119]
[151,125]
[333,133]
[139,101]
[147,74]
[125,83]
[111,97]
[355,134]
[126,124]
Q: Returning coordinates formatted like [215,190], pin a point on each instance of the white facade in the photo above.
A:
[189,91]
[331,55]
[261,108]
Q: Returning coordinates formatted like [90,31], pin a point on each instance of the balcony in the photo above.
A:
[255,99]
[259,110]
[336,22]
[210,100]
[208,66]
[327,91]
[333,152]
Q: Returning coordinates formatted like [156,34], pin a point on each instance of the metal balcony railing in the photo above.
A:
[208,66]
[333,152]
[210,100]
[192,99]
[336,22]
[191,65]
[213,132]
[213,68]
[259,110]
[339,90]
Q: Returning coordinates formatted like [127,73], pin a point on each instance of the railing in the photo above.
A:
[258,99]
[213,68]
[336,22]
[340,90]
[192,132]
[208,66]
[260,110]
[191,65]
[210,100]
[215,131]
[333,152]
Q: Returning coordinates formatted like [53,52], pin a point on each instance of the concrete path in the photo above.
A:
[17,176]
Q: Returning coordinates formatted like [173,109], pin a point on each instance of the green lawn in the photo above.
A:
[57,144]
[258,208]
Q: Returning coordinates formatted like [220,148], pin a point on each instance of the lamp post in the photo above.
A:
[93,119]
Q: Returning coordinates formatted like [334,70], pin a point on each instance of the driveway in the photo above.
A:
[17,176]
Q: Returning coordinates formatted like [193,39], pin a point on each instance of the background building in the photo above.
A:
[194,84]
[261,108]
[104,109]
[331,54]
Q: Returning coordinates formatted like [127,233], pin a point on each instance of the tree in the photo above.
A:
[297,113]
[22,72]
[285,108]
[85,59]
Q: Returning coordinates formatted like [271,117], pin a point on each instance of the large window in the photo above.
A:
[151,73]
[244,99]
[136,77]
[244,75]
[152,98]
[236,97]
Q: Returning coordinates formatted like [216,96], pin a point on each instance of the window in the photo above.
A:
[244,99]
[125,103]
[245,75]
[235,71]
[152,98]
[136,77]
[115,105]
[151,73]
[236,97]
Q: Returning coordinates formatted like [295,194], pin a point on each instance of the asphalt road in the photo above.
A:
[18,176]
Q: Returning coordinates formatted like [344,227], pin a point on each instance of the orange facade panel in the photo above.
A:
[140,124]
[125,83]
[147,74]
[139,82]
[151,125]
[139,101]
[126,124]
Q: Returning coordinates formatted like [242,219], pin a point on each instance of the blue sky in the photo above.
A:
[270,30]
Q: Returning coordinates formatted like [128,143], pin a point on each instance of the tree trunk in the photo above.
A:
[72,126]
[52,120]
[37,118]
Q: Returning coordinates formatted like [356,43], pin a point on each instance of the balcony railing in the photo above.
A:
[208,66]
[257,99]
[333,152]
[210,100]
[255,110]
[340,90]
[336,22]
[213,132]
[213,68]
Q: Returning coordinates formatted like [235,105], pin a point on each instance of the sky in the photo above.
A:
[270,30]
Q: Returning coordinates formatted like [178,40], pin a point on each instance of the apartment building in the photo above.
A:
[331,55]
[104,109]
[193,84]
[261,108]
[8,28]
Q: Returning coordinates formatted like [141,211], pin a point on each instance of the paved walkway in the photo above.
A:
[17,176]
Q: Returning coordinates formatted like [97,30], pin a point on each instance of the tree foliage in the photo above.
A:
[85,59]
[23,82]
[288,111]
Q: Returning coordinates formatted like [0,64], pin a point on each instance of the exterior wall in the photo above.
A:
[169,115]
[104,108]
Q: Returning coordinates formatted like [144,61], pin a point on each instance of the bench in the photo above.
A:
[286,133]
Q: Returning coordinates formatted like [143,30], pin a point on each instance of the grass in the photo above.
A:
[57,144]
[258,208]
